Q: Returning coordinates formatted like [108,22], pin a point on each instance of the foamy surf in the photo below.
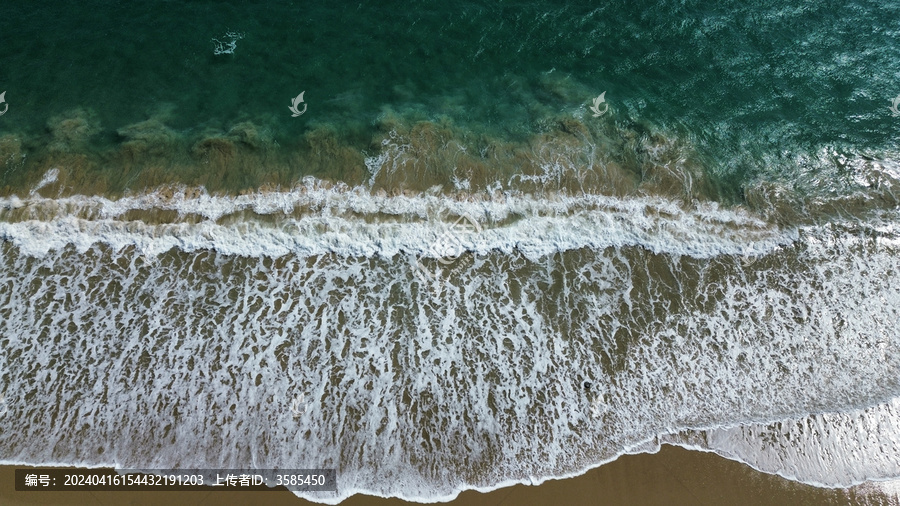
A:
[315,220]
[549,337]
[832,449]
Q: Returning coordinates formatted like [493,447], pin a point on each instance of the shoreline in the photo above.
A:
[672,476]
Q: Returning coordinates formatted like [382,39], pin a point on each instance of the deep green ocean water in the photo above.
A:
[760,89]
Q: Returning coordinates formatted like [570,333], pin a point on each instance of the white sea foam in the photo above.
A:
[49,178]
[520,368]
[836,449]
[509,223]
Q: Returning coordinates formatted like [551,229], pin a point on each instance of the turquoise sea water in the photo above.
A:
[449,272]
[761,89]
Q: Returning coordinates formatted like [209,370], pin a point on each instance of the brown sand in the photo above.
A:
[674,476]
